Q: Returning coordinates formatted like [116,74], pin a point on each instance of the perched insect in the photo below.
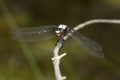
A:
[46,32]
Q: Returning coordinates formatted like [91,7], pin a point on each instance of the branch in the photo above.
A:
[82,25]
[56,58]
[56,61]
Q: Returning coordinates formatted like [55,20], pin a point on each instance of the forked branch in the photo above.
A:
[56,58]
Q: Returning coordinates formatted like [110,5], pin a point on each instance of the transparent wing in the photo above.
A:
[34,33]
[89,45]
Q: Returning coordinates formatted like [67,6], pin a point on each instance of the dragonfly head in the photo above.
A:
[61,31]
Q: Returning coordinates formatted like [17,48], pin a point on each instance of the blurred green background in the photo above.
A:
[32,60]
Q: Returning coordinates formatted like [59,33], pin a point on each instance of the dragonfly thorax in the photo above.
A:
[61,31]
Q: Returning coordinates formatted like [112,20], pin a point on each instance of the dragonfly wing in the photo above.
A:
[34,33]
[89,45]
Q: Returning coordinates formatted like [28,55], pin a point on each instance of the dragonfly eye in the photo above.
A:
[58,33]
[61,31]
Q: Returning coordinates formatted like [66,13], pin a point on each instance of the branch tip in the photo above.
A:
[58,57]
[62,55]
[64,77]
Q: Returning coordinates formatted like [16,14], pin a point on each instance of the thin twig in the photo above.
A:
[56,58]
[56,61]
[94,21]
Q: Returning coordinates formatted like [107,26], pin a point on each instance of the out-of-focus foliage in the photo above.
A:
[32,60]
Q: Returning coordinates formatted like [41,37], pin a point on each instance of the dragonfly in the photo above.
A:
[47,32]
